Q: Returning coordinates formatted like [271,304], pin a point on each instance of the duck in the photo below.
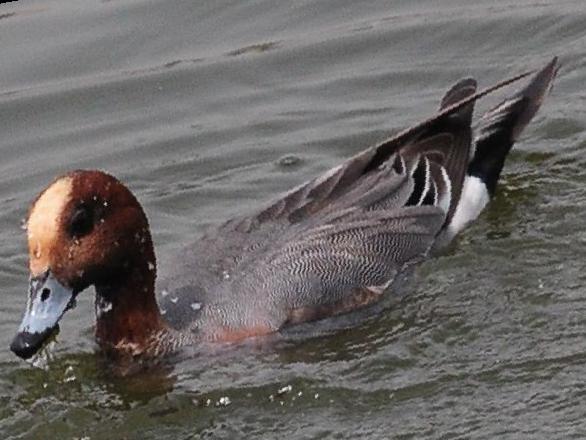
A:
[327,247]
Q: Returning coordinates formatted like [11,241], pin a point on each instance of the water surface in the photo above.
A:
[208,108]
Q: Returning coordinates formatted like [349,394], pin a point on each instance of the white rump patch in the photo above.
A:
[472,201]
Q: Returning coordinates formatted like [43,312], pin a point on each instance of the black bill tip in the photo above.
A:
[25,345]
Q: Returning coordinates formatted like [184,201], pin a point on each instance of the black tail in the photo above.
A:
[500,127]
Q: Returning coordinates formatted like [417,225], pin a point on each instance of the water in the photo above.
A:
[208,108]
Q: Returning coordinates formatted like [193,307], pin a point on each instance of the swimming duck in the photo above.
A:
[327,247]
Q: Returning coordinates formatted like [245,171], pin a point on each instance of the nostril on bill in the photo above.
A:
[45,294]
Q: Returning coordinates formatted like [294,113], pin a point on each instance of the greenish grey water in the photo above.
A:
[208,108]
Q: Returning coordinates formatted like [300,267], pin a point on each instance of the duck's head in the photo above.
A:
[84,229]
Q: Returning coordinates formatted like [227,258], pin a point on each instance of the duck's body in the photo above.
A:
[331,245]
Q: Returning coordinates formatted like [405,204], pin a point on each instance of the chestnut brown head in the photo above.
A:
[84,229]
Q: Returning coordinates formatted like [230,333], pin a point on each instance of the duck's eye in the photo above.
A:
[81,222]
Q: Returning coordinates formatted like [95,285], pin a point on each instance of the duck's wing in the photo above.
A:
[348,252]
[444,140]
[437,147]
[341,258]
[391,221]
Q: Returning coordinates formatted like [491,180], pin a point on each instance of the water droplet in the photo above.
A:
[224,401]
[69,376]
[174,300]
[164,293]
[196,306]
[23,224]
[285,389]
[225,275]
[151,265]
[42,358]
[105,203]
[163,312]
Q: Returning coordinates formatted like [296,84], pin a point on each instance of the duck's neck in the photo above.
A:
[128,321]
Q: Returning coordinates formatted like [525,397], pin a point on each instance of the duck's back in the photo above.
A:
[332,244]
[338,241]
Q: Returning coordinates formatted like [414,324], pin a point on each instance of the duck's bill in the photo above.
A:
[48,300]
